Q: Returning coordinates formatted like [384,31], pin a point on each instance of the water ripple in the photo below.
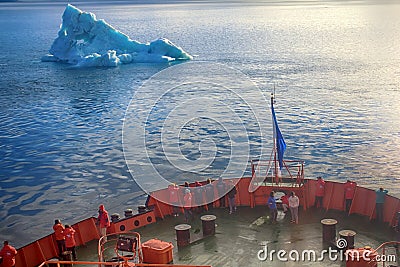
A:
[60,128]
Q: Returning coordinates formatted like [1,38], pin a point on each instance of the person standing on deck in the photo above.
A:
[294,203]
[272,207]
[319,192]
[59,235]
[231,198]
[103,220]
[221,191]
[173,190]
[198,197]
[380,200]
[285,202]
[69,234]
[209,188]
[7,255]
[187,204]
[349,190]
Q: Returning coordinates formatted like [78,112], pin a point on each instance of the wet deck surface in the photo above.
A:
[241,235]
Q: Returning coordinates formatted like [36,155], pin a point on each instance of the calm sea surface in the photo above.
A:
[336,69]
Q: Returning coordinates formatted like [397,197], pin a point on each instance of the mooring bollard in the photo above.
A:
[347,235]
[328,230]
[208,223]
[141,209]
[128,213]
[183,234]
[115,217]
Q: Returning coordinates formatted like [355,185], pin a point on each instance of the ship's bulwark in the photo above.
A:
[252,208]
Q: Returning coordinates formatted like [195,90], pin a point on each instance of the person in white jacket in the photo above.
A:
[294,203]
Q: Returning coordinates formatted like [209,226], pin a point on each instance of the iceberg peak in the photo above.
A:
[85,41]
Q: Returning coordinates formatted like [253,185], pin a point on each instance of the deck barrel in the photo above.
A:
[328,230]
[347,235]
[183,234]
[208,223]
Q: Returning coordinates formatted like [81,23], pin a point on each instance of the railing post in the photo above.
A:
[253,171]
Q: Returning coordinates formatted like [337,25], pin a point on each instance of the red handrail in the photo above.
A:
[383,246]
[117,264]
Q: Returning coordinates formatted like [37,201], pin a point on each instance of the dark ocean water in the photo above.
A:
[336,70]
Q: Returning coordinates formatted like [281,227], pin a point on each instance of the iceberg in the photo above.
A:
[84,41]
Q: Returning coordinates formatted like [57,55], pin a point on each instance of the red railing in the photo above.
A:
[383,258]
[363,203]
[129,264]
[44,249]
[267,171]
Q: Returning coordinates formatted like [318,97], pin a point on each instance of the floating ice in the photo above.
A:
[85,41]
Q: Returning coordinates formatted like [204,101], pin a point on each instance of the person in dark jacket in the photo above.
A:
[272,207]
[380,200]
[198,197]
[221,191]
[209,189]
[231,197]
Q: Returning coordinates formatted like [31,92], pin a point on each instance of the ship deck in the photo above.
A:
[240,236]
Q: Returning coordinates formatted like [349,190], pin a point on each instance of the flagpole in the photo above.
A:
[274,142]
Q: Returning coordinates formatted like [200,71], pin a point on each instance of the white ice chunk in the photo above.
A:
[85,41]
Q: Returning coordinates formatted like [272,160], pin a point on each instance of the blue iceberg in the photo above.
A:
[84,41]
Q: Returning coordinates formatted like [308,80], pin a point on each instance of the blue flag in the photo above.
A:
[280,143]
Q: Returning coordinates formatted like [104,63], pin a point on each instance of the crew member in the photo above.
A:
[69,234]
[319,192]
[272,207]
[349,190]
[187,203]
[7,254]
[103,221]
[221,191]
[380,200]
[173,190]
[59,235]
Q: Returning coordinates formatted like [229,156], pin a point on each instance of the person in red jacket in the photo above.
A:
[349,190]
[59,235]
[7,254]
[69,234]
[285,202]
[319,192]
[103,220]
[173,190]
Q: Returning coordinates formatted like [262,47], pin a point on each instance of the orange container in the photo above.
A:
[157,251]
